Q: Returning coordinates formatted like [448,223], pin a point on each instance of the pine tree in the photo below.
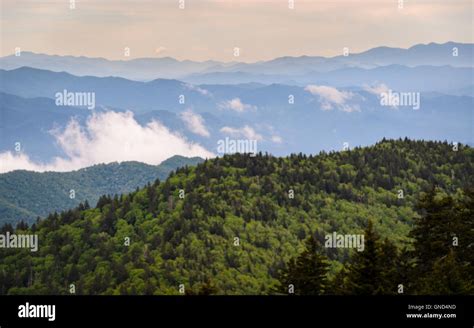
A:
[447,277]
[392,268]
[338,285]
[443,244]
[432,231]
[464,230]
[307,273]
[365,271]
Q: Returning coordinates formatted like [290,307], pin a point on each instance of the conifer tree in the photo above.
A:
[431,232]
[365,271]
[307,273]
[443,244]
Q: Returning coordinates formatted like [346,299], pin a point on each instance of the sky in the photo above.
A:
[212,29]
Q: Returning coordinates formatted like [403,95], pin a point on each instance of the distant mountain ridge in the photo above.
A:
[443,116]
[24,195]
[432,54]
[163,94]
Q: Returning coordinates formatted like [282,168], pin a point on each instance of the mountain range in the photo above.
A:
[432,54]
[321,119]
[286,105]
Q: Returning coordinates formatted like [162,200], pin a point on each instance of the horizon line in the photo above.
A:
[232,62]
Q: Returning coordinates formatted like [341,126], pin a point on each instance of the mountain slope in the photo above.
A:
[190,238]
[24,195]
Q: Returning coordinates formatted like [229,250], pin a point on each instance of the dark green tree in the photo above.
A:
[443,244]
[365,274]
[307,273]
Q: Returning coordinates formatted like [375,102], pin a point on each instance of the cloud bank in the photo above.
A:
[108,137]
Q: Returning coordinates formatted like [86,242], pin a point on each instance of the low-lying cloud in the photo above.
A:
[236,105]
[196,88]
[331,98]
[379,90]
[108,137]
[194,122]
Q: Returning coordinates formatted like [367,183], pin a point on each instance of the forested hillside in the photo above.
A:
[236,224]
[25,195]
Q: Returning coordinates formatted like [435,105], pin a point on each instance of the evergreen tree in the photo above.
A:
[443,244]
[432,232]
[307,273]
[447,277]
[365,271]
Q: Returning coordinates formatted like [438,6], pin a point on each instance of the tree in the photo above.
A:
[443,244]
[364,271]
[307,273]
[374,270]
[446,278]
[431,232]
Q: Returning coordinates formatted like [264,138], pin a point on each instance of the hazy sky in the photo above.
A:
[211,29]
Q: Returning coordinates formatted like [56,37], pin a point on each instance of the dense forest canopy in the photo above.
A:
[25,195]
[253,225]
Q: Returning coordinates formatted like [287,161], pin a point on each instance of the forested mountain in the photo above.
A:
[25,195]
[231,225]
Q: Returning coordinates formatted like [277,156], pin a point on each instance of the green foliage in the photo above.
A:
[374,270]
[437,265]
[25,195]
[444,243]
[307,274]
[192,241]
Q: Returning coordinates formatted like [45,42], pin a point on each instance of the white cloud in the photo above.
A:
[108,137]
[331,97]
[246,132]
[380,90]
[377,89]
[196,88]
[236,105]
[160,50]
[194,122]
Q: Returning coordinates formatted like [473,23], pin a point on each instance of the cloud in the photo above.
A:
[246,132]
[376,89]
[160,50]
[196,88]
[194,122]
[331,97]
[236,105]
[108,137]
[379,90]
